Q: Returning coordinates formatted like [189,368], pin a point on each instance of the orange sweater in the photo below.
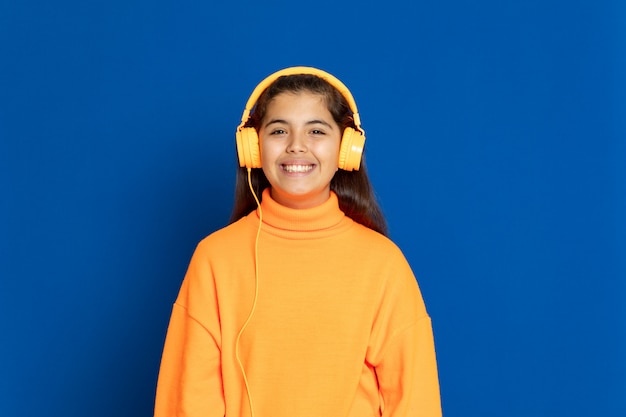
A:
[339,328]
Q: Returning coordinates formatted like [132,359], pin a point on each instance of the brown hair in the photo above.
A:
[353,188]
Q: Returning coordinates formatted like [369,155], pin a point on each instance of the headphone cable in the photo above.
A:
[256,292]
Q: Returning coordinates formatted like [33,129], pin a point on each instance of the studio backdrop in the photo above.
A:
[496,142]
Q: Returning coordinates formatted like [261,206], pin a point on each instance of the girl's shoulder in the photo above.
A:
[227,237]
[372,241]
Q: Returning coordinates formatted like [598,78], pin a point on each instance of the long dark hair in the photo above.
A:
[353,188]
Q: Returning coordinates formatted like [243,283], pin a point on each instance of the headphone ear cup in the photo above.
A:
[352,143]
[248,148]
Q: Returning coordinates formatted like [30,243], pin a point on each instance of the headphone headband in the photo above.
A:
[329,78]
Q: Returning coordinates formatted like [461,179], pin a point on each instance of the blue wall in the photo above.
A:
[496,141]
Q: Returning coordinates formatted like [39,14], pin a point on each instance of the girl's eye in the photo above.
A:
[277,132]
[317,132]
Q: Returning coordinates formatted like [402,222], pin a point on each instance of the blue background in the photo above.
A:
[496,142]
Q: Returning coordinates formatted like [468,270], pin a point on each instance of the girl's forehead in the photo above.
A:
[298,96]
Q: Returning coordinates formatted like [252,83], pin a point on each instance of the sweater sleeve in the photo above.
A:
[190,379]
[407,374]
[403,350]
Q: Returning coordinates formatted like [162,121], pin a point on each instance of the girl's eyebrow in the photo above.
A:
[321,122]
[310,122]
[276,121]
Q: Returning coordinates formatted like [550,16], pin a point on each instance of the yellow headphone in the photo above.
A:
[352,140]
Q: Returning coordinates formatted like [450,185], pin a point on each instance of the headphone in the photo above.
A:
[352,140]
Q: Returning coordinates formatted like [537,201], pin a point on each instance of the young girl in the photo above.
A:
[301,306]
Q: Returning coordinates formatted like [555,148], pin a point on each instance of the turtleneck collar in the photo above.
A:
[319,221]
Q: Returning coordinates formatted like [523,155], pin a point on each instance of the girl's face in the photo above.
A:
[299,143]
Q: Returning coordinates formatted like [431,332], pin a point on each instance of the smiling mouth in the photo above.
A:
[297,168]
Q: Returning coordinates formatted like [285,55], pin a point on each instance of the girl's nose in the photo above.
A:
[296,143]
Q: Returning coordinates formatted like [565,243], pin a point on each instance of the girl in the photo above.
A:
[301,306]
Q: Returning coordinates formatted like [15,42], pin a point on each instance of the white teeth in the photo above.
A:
[297,168]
